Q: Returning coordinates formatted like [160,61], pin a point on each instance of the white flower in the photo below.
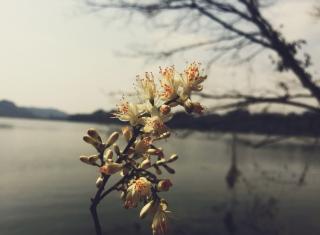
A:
[128,112]
[158,111]
[155,126]
[191,80]
[155,123]
[160,220]
[170,84]
[143,145]
[147,87]
[137,191]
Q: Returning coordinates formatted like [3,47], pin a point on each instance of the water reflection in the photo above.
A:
[222,185]
[261,209]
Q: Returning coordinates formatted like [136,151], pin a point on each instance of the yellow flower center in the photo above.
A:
[142,186]
[123,107]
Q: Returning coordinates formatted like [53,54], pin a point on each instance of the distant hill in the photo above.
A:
[99,116]
[240,121]
[47,113]
[10,109]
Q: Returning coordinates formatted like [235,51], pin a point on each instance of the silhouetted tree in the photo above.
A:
[316,11]
[238,30]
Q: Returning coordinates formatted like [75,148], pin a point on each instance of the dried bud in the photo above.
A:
[145,164]
[116,149]
[112,138]
[147,208]
[169,169]
[173,158]
[108,155]
[94,134]
[93,142]
[110,168]
[165,109]
[99,182]
[164,185]
[127,133]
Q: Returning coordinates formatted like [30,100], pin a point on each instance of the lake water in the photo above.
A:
[221,186]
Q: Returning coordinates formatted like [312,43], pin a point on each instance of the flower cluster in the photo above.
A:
[141,163]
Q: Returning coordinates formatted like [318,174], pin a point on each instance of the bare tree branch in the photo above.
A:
[241,100]
[243,26]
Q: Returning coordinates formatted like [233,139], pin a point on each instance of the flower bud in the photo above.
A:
[169,169]
[152,151]
[93,158]
[85,159]
[112,138]
[188,105]
[93,142]
[158,152]
[108,155]
[145,164]
[164,185]
[165,109]
[99,182]
[146,209]
[161,162]
[143,145]
[197,108]
[94,134]
[173,158]
[110,168]
[127,133]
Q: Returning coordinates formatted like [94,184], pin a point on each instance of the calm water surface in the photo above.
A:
[222,185]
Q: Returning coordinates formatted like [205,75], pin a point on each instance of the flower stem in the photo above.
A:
[100,195]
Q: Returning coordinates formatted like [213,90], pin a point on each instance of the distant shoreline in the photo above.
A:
[307,124]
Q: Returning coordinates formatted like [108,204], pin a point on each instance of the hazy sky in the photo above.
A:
[54,54]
